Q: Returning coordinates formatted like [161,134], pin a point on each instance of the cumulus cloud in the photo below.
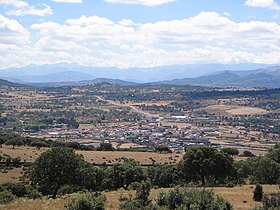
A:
[141,2]
[22,8]
[271,4]
[68,1]
[98,41]
[12,33]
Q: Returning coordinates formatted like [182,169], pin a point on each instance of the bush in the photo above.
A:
[21,190]
[6,197]
[247,153]
[192,199]
[33,193]
[272,202]
[86,201]
[258,193]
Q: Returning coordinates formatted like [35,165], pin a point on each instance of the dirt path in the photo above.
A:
[133,108]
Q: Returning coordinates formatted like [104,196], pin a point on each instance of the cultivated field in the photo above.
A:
[235,110]
[240,197]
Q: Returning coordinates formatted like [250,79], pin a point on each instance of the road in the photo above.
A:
[133,108]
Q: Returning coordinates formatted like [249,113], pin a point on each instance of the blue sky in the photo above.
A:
[142,33]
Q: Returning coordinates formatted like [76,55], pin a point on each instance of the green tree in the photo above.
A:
[274,153]
[258,193]
[14,142]
[122,175]
[230,151]
[91,177]
[263,170]
[143,192]
[2,141]
[204,163]
[105,147]
[55,168]
[164,175]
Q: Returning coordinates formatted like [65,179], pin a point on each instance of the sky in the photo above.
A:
[138,33]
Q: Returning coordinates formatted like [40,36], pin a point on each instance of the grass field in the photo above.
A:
[29,154]
[240,197]
[235,110]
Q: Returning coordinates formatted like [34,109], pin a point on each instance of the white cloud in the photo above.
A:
[98,41]
[271,4]
[141,2]
[31,10]
[23,8]
[12,32]
[15,3]
[68,1]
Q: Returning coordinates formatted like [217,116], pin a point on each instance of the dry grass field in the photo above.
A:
[29,154]
[10,175]
[234,110]
[240,197]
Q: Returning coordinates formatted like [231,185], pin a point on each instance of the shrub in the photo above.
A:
[33,193]
[192,199]
[272,202]
[6,197]
[258,193]
[86,201]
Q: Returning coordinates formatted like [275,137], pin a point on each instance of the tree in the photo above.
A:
[247,153]
[204,163]
[38,144]
[122,175]
[263,170]
[55,168]
[230,151]
[274,153]
[163,175]
[105,147]
[14,142]
[143,192]
[2,141]
[163,148]
[258,193]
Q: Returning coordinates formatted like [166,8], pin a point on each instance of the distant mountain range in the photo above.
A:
[230,79]
[214,75]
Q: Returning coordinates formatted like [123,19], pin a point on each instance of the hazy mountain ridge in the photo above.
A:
[45,73]
[213,75]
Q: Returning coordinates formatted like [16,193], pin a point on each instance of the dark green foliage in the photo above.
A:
[189,199]
[21,190]
[105,147]
[230,151]
[86,201]
[247,153]
[122,175]
[142,193]
[39,144]
[91,177]
[6,197]
[55,168]
[14,142]
[141,200]
[2,140]
[271,202]
[263,170]
[162,148]
[164,175]
[274,153]
[258,193]
[206,163]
